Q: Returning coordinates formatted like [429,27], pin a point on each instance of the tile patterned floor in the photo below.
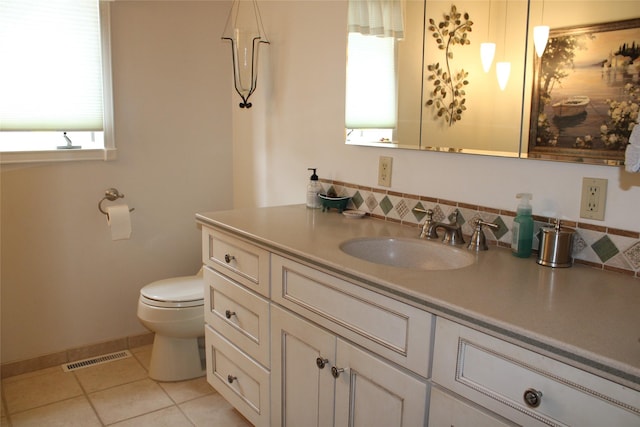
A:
[118,393]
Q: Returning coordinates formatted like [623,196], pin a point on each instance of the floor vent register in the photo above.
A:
[98,360]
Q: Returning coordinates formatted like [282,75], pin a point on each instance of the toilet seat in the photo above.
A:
[186,291]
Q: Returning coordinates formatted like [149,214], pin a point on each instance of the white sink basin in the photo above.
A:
[408,253]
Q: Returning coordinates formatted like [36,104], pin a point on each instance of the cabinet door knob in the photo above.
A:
[229,313]
[228,258]
[231,378]
[321,363]
[532,397]
[336,371]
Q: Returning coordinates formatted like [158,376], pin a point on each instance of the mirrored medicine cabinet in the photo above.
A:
[400,87]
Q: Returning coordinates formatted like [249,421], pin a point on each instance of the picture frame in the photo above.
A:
[586,93]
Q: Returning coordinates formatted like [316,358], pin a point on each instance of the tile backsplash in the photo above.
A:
[597,246]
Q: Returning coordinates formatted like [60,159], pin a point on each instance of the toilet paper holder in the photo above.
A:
[110,194]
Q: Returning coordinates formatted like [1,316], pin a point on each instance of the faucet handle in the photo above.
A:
[427,230]
[429,212]
[478,239]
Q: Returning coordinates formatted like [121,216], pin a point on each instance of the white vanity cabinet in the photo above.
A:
[525,387]
[319,379]
[293,341]
[322,375]
[237,341]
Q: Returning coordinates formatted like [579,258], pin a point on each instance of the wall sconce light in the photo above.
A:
[540,36]
[245,32]
[503,69]
[487,49]
[487,52]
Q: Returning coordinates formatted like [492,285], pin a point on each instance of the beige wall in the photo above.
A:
[65,283]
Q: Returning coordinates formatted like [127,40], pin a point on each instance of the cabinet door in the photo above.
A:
[371,392]
[447,411]
[302,390]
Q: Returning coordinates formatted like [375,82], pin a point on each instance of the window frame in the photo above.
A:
[108,152]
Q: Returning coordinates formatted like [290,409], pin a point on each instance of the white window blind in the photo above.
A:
[51,75]
[371,95]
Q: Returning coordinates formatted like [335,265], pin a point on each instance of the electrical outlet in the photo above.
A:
[594,196]
[384,171]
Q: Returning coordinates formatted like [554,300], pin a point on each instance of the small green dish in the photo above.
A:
[339,203]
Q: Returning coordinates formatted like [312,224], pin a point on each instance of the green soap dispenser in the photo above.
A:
[522,231]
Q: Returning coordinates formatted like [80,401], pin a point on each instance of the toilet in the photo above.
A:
[174,309]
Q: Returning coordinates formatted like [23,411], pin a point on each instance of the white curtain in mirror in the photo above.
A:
[377,17]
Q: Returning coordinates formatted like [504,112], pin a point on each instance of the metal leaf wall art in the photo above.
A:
[447,97]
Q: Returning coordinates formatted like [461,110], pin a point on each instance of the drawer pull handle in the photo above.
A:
[321,363]
[229,313]
[231,378]
[228,258]
[336,371]
[532,397]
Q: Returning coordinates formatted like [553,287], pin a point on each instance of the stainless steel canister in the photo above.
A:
[555,246]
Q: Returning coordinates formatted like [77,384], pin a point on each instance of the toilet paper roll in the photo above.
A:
[119,220]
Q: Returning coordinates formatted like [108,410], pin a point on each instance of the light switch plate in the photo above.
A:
[594,198]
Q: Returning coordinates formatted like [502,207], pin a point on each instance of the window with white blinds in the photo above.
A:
[54,75]
[371,95]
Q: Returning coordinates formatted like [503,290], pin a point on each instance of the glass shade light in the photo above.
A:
[245,32]
[540,38]
[503,69]
[487,52]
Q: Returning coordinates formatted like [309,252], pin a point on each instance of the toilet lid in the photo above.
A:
[186,291]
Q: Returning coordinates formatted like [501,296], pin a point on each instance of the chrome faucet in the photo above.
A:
[452,231]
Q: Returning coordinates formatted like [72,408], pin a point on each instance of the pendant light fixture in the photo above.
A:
[540,36]
[487,49]
[245,31]
[503,69]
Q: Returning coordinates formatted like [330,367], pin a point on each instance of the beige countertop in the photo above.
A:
[581,316]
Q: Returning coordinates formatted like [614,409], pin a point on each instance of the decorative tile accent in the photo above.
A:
[599,246]
[419,215]
[578,244]
[402,208]
[605,248]
[633,255]
[501,230]
[371,201]
[438,214]
[357,199]
[386,205]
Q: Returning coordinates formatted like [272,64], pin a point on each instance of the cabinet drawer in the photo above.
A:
[390,328]
[239,379]
[497,375]
[242,261]
[238,314]
[446,410]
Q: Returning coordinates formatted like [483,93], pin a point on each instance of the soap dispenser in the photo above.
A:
[522,231]
[313,189]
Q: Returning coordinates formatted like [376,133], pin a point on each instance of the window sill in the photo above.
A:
[11,157]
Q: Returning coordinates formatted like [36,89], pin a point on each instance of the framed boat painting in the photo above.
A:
[586,93]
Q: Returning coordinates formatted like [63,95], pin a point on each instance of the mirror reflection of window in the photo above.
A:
[371,64]
[375,29]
